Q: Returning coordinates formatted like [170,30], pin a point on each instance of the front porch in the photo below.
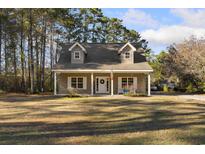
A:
[101,82]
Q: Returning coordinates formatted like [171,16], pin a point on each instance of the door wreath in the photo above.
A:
[102,81]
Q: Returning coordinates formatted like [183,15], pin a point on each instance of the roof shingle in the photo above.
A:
[101,56]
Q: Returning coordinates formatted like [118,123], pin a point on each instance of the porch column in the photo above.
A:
[54,83]
[111,83]
[148,88]
[92,84]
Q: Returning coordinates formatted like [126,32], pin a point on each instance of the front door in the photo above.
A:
[102,85]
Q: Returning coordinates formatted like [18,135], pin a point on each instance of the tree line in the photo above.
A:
[183,63]
[30,40]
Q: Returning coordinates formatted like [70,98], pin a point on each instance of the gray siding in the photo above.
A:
[82,56]
[62,86]
[62,80]
[141,81]
[127,60]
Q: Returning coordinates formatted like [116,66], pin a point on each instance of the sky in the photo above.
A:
[162,27]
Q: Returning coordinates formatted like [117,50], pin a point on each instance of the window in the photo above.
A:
[97,84]
[77,55]
[77,82]
[107,84]
[127,55]
[73,83]
[130,82]
[127,83]
[80,82]
[124,83]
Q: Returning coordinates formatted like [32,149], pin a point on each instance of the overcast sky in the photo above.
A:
[162,27]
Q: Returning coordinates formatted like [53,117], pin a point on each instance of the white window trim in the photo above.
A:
[127,80]
[75,53]
[135,82]
[99,71]
[77,44]
[69,85]
[126,55]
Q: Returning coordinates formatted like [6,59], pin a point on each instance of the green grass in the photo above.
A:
[101,120]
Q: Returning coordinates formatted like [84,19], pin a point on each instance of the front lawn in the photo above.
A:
[101,120]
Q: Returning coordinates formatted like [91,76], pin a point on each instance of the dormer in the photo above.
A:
[127,53]
[78,53]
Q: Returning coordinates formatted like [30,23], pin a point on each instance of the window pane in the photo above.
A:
[73,82]
[130,82]
[107,84]
[127,55]
[80,82]
[80,85]
[97,84]
[80,79]
[77,55]
[124,83]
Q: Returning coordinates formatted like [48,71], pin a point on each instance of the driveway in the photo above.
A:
[194,97]
[180,95]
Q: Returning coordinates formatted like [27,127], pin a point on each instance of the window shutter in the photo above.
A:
[119,84]
[135,83]
[84,82]
[69,83]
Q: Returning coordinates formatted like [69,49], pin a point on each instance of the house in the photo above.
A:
[95,68]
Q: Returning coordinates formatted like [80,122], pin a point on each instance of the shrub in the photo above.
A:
[73,93]
[131,94]
[2,92]
[202,87]
[190,88]
[165,88]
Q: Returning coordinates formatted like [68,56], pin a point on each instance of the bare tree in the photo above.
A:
[187,59]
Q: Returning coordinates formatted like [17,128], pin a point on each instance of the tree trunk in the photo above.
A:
[15,68]
[5,52]
[51,56]
[43,57]
[37,64]
[40,65]
[23,85]
[31,50]
[29,67]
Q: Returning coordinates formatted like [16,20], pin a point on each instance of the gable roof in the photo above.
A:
[101,56]
[127,44]
[77,44]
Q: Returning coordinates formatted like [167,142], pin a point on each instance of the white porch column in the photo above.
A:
[148,88]
[54,83]
[111,83]
[92,84]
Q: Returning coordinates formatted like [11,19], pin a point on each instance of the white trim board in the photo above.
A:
[79,46]
[127,44]
[114,71]
[75,54]
[135,83]
[69,82]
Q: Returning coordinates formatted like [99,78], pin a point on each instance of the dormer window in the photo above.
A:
[127,55]
[77,55]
